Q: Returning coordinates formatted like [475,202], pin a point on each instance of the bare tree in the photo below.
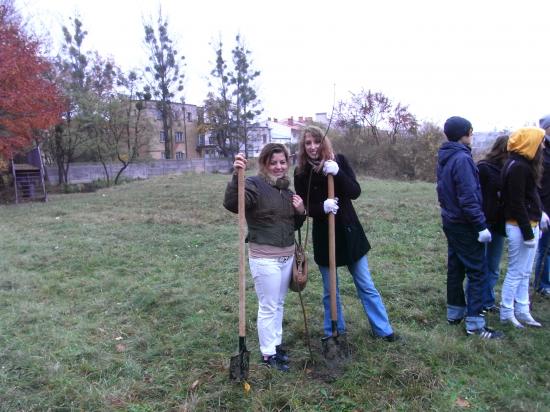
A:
[401,120]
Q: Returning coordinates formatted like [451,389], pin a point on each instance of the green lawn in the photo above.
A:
[126,299]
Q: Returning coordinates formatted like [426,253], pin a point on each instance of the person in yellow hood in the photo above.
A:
[523,213]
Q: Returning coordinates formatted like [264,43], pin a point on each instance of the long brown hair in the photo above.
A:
[536,166]
[325,150]
[499,152]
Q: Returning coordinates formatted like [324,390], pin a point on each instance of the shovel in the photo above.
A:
[334,346]
[238,365]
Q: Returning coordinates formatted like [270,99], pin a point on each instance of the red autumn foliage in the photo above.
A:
[28,100]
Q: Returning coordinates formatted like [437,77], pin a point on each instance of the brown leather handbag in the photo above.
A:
[298,280]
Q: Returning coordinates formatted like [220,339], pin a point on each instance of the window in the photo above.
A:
[188,116]
[179,136]
[163,155]
[264,138]
[179,155]
[162,136]
[159,114]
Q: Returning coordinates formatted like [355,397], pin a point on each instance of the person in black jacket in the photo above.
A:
[489,178]
[542,260]
[465,227]
[316,159]
[273,213]
[523,212]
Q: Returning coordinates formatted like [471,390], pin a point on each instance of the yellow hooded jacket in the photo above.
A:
[526,141]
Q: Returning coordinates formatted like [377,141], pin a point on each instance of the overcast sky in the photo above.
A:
[488,61]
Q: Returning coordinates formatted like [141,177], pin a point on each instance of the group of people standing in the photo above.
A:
[481,205]
[503,197]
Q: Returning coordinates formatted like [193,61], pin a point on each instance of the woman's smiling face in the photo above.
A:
[312,146]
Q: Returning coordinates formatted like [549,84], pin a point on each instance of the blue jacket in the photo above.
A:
[458,188]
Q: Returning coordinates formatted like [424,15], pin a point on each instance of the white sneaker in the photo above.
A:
[513,321]
[528,320]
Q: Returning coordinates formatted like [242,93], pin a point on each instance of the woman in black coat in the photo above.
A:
[316,159]
[489,178]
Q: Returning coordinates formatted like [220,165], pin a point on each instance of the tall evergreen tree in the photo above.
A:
[163,75]
[246,99]
[233,104]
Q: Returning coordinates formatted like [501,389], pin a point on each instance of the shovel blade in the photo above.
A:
[335,347]
[238,366]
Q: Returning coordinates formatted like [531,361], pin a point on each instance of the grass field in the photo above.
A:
[125,299]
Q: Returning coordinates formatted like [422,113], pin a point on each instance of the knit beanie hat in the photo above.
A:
[544,122]
[456,127]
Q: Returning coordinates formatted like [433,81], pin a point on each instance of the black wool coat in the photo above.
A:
[351,242]
[491,191]
[544,190]
[520,193]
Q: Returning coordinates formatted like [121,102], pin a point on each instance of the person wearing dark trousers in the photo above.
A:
[464,225]
[542,260]
[523,214]
[489,178]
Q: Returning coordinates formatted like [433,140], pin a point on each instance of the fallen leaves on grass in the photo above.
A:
[462,403]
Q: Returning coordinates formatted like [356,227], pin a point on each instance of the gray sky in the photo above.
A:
[485,60]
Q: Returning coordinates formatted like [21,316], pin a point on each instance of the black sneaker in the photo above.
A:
[544,292]
[281,353]
[491,309]
[485,333]
[454,321]
[273,361]
[392,337]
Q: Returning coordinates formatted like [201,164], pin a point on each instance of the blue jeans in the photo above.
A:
[493,254]
[465,258]
[368,295]
[542,268]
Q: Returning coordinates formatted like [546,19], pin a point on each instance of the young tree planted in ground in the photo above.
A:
[29,101]
[163,75]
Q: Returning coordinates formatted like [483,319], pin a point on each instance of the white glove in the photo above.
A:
[530,243]
[484,236]
[330,168]
[544,222]
[331,206]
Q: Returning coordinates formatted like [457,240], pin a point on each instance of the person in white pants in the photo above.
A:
[273,213]
[523,214]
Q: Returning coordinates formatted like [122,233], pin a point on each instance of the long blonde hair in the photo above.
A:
[325,150]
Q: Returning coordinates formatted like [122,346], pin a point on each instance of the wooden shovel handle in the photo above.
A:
[332,252]
[242,270]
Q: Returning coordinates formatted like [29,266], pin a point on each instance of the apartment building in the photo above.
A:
[186,141]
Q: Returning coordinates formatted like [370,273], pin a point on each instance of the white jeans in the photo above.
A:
[271,279]
[515,288]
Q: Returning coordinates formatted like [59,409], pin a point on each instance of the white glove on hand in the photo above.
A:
[544,222]
[530,243]
[484,236]
[330,206]
[330,168]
